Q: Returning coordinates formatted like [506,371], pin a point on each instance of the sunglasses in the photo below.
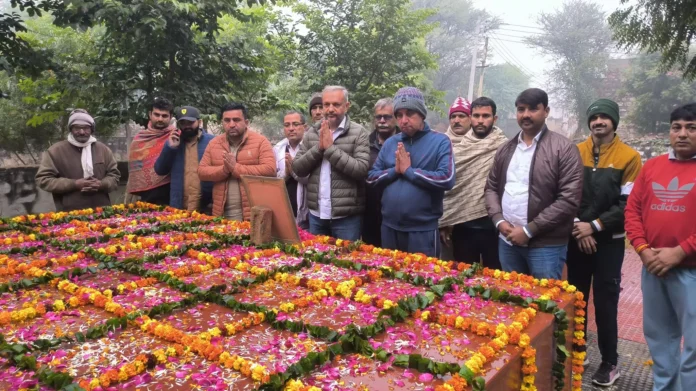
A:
[386,117]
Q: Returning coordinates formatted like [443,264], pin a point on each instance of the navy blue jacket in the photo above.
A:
[413,201]
[171,160]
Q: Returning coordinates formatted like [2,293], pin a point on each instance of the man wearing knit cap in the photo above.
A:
[596,250]
[80,171]
[465,225]
[415,168]
[460,120]
[315,107]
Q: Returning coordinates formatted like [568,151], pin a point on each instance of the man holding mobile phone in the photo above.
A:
[180,156]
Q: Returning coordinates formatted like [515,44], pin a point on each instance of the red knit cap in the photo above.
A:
[460,105]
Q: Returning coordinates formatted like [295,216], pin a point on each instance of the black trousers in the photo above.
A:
[602,272]
[475,245]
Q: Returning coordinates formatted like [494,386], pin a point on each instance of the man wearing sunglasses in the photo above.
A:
[384,127]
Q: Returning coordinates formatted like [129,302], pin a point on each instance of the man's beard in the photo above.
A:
[488,131]
[188,134]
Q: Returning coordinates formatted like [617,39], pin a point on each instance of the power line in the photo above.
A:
[509,52]
[518,31]
[517,66]
[509,40]
[510,36]
[522,26]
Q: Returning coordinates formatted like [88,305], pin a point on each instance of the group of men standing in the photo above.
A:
[531,204]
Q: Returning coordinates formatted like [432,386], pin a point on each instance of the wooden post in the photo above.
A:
[261,222]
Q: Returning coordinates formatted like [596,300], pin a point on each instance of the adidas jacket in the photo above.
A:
[609,175]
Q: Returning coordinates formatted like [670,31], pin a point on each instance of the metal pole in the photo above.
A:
[483,68]
[472,74]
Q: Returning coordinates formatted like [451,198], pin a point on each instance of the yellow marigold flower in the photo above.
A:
[258,372]
[425,315]
[94,383]
[458,322]
[58,305]
[571,289]
[388,304]
[544,282]
[524,341]
[74,302]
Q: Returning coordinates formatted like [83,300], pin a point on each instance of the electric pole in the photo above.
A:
[483,67]
[472,74]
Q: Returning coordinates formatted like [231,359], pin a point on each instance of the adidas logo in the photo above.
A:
[673,192]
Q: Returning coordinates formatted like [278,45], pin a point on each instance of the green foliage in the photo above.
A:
[37,108]
[665,26]
[656,93]
[372,47]
[15,52]
[503,83]
[578,40]
[189,52]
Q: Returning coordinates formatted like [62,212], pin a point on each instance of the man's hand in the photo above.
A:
[518,237]
[403,159]
[446,235]
[505,228]
[288,165]
[325,136]
[649,258]
[582,230]
[587,245]
[88,185]
[229,162]
[666,259]
[175,138]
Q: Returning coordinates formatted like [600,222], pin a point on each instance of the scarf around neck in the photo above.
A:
[144,151]
[86,159]
[473,158]
[454,137]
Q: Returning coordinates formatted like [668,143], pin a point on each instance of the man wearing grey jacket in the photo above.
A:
[335,156]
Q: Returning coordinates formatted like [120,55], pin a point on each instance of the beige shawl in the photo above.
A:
[473,158]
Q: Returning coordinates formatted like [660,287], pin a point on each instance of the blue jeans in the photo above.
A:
[346,228]
[669,313]
[425,242]
[541,262]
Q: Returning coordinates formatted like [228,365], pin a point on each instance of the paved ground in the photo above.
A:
[636,375]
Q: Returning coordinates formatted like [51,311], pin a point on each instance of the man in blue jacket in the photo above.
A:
[415,167]
[180,157]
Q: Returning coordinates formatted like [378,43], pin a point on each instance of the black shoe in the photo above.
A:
[606,375]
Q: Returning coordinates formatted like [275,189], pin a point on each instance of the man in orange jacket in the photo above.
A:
[230,155]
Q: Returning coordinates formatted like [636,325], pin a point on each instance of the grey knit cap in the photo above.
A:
[412,99]
[80,117]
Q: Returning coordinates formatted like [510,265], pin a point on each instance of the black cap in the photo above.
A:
[187,113]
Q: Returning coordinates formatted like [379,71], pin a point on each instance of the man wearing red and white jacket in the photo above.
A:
[660,225]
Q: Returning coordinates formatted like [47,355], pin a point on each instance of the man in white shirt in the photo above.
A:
[335,155]
[533,192]
[294,126]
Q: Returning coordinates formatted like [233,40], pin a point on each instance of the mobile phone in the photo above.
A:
[287,148]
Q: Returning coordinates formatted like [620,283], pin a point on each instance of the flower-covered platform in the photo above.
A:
[140,297]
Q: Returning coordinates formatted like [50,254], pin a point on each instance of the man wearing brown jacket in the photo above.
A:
[335,155]
[533,192]
[80,171]
[233,154]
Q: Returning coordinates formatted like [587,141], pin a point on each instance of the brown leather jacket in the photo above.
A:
[555,187]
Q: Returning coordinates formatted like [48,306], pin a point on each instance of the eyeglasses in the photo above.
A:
[293,125]
[386,117]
